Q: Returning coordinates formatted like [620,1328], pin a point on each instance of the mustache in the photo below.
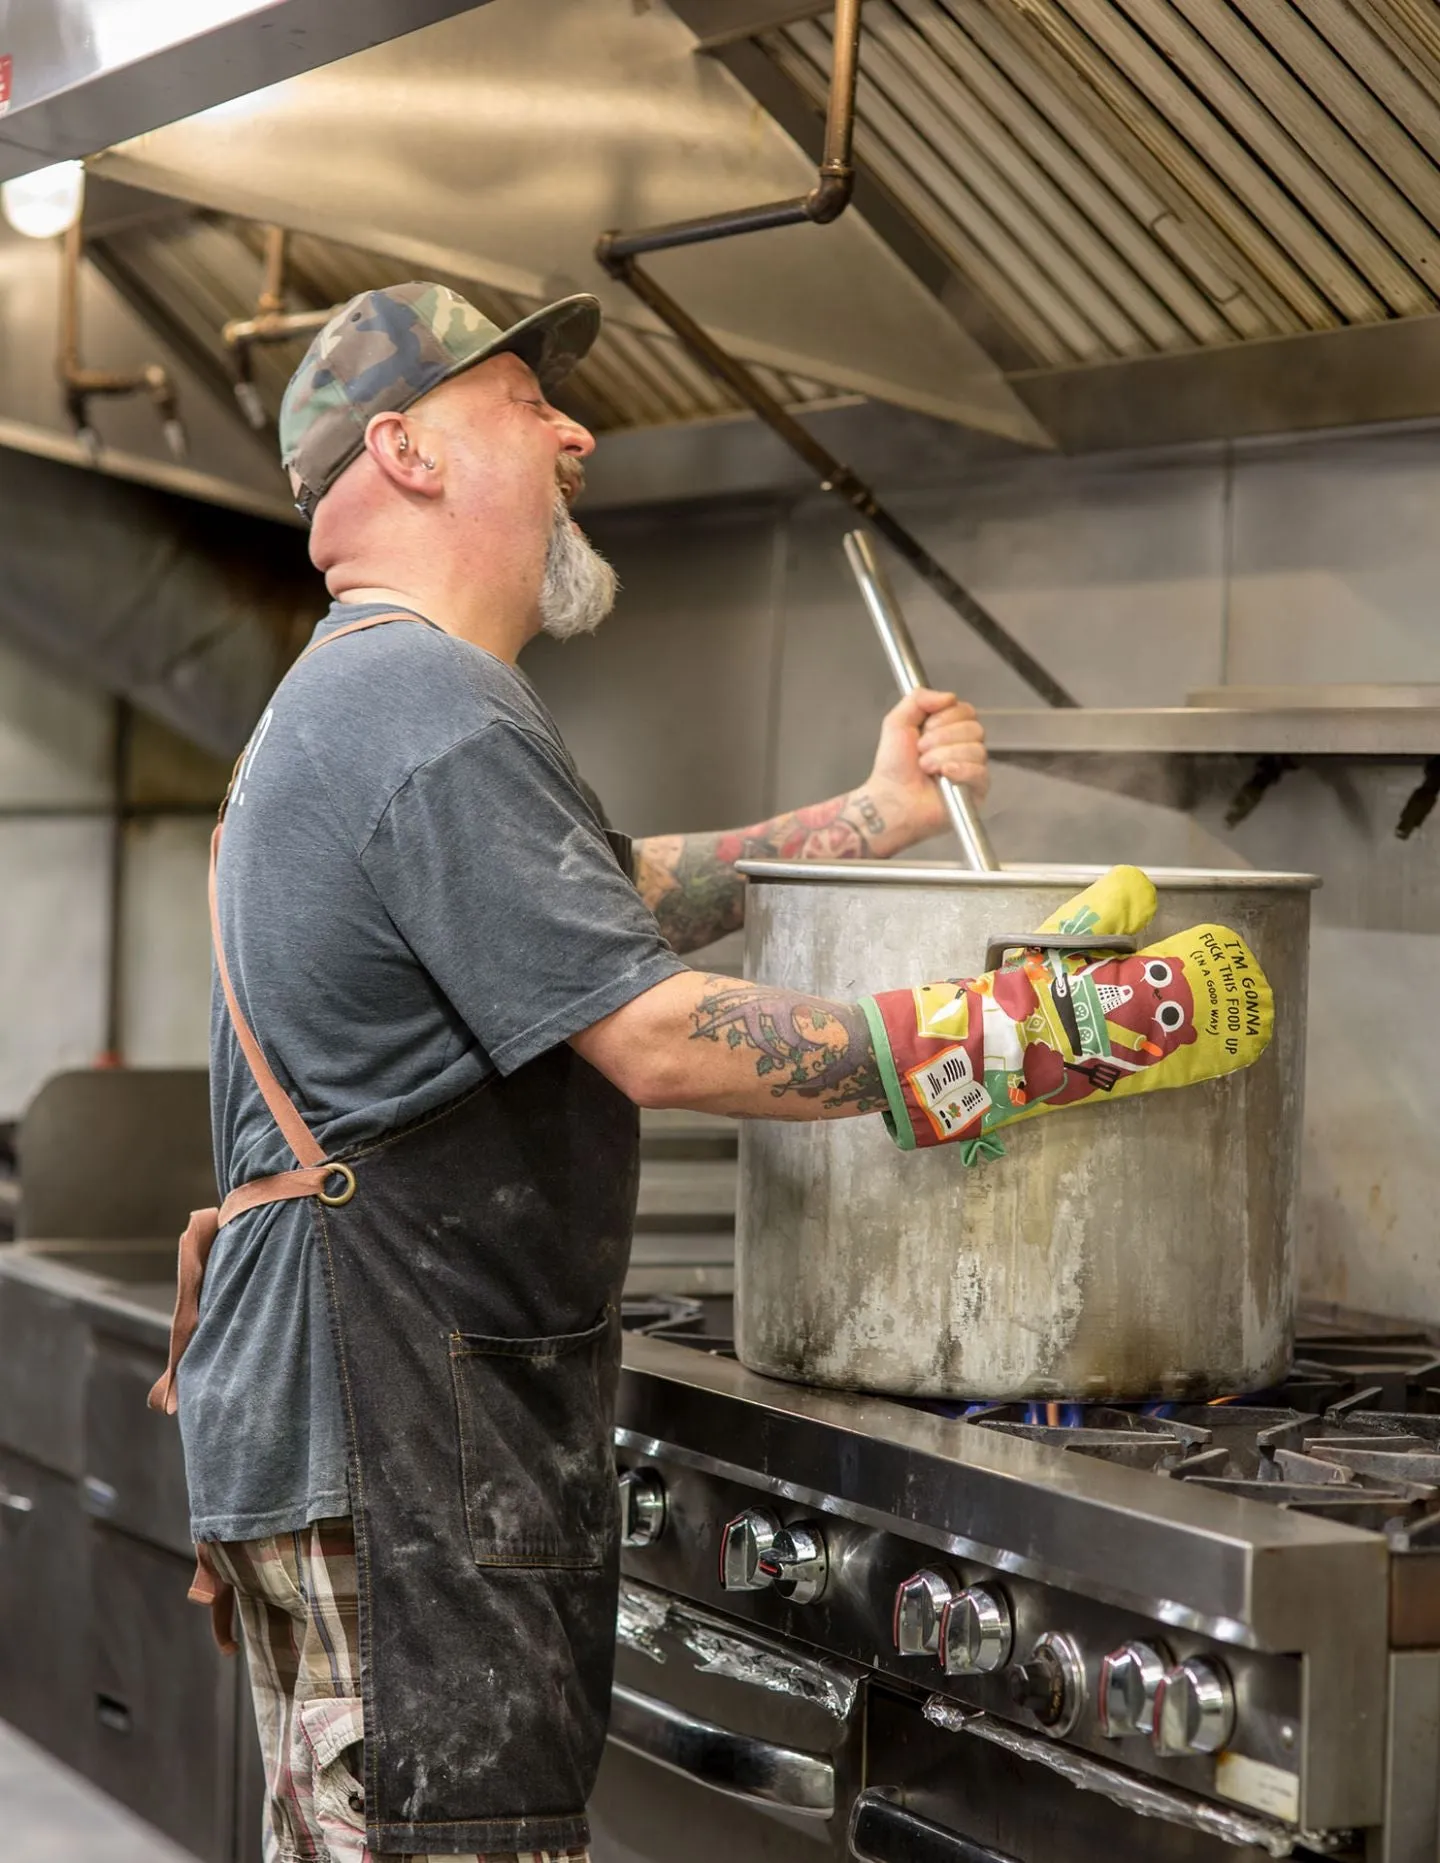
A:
[569,477]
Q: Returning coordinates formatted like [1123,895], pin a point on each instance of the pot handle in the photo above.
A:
[1120,945]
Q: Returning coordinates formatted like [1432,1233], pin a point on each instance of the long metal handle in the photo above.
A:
[895,638]
[882,1831]
[737,1764]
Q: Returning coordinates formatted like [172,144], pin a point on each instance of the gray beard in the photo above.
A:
[579,587]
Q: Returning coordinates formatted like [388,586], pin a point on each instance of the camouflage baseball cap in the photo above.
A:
[384,349]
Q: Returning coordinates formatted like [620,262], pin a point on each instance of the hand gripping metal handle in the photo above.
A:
[883,1831]
[738,1764]
[879,598]
[1119,944]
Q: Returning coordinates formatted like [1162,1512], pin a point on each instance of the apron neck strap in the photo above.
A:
[297,1134]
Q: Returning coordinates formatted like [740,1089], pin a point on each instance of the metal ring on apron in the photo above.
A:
[334,1200]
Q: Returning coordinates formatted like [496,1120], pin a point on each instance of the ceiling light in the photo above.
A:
[45,203]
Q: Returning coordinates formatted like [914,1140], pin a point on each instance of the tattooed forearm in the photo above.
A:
[803,1045]
[689,881]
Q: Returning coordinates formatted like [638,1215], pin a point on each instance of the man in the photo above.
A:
[398,1400]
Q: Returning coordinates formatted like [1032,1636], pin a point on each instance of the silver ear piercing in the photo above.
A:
[402,446]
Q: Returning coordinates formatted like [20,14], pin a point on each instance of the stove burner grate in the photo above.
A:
[1351,1434]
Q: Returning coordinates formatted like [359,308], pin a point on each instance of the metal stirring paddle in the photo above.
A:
[905,664]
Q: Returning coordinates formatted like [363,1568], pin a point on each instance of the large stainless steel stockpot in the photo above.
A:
[1143,1248]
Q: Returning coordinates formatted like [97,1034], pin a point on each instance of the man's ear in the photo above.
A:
[399,455]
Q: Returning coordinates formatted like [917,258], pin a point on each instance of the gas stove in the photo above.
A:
[1222,1616]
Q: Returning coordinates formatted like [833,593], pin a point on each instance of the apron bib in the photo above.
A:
[474,1263]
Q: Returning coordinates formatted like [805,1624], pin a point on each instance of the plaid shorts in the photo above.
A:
[295,1595]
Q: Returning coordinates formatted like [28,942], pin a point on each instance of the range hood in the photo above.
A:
[498,145]
[77,75]
[1082,224]
[1169,220]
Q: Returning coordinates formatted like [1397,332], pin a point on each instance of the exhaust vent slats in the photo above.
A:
[1310,156]
[1114,300]
[1021,292]
[1394,134]
[1116,203]
[1099,139]
[1395,73]
[1114,178]
[206,270]
[1127,114]
[1224,151]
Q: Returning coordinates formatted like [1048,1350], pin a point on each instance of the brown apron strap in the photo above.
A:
[297,1134]
[359,627]
[195,1246]
[207,1586]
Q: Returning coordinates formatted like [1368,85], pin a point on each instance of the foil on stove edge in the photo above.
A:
[1132,1793]
[643,1617]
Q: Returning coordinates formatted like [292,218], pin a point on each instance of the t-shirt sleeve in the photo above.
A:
[497,873]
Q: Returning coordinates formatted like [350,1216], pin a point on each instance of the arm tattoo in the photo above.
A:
[804,1044]
[689,881]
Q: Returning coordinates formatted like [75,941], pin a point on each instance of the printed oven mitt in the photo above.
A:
[1053,1028]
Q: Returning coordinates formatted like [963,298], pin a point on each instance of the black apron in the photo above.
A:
[474,1263]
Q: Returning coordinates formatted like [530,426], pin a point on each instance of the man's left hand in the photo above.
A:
[927,735]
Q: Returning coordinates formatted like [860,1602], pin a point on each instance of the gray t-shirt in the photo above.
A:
[415,892]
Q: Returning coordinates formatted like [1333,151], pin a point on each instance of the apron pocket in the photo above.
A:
[537,1459]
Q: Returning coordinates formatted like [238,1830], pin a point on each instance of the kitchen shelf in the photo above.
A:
[1403,732]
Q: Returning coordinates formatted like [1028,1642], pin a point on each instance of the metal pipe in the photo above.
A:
[78,383]
[272,323]
[275,326]
[617,252]
[838,478]
[844,73]
[272,292]
[617,246]
[895,638]
[112,1047]
[825,202]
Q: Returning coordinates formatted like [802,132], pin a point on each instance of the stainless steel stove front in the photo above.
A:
[1147,1649]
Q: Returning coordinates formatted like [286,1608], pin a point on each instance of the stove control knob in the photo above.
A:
[1051,1685]
[642,1507]
[919,1605]
[746,1540]
[1194,1709]
[975,1633]
[796,1564]
[1129,1678]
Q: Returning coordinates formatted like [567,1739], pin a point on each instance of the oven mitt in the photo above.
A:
[1050,1029]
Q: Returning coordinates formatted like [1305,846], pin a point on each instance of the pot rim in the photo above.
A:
[944,873]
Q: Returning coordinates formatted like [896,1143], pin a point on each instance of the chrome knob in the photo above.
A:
[1194,1709]
[1129,1678]
[1051,1685]
[919,1605]
[975,1633]
[796,1564]
[744,1542]
[642,1507]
